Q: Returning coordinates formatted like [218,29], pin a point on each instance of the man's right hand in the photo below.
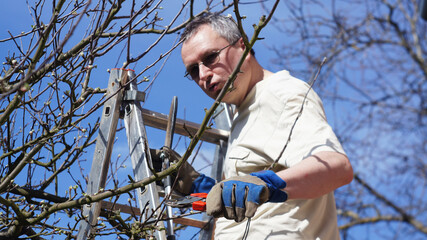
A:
[187,179]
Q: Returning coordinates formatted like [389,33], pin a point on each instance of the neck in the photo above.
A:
[259,74]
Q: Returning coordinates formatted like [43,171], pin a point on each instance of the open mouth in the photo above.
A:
[214,87]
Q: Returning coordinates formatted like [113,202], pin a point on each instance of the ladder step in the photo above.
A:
[159,121]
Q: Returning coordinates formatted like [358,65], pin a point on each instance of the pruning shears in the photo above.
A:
[196,200]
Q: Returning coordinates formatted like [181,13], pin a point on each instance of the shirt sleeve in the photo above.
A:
[310,134]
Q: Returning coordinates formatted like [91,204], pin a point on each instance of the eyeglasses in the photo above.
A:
[192,72]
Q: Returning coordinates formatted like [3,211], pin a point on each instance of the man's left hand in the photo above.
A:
[239,197]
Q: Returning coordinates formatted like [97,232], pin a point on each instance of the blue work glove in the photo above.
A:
[239,197]
[274,184]
[202,184]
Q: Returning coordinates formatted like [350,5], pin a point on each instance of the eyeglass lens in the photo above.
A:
[207,61]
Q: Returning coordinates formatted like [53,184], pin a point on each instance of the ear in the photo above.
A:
[241,44]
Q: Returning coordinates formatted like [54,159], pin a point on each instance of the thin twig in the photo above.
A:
[311,83]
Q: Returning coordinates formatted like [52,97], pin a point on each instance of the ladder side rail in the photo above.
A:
[223,118]
[148,199]
[170,129]
[102,154]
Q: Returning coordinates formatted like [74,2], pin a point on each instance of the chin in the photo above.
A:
[229,101]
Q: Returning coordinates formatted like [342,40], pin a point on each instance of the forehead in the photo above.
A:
[205,39]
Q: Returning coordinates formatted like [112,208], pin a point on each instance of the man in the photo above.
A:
[295,200]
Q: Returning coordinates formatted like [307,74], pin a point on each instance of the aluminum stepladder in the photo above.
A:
[129,99]
[138,148]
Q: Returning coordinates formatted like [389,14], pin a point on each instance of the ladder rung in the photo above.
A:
[159,121]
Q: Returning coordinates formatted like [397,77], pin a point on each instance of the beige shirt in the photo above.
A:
[259,133]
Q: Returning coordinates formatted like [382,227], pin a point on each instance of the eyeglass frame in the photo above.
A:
[217,52]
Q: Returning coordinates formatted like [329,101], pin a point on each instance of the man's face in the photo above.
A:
[213,78]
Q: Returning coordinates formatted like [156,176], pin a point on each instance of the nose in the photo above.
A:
[205,73]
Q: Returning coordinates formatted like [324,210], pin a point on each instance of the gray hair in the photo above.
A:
[225,26]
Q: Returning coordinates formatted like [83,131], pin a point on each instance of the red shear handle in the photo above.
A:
[200,205]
